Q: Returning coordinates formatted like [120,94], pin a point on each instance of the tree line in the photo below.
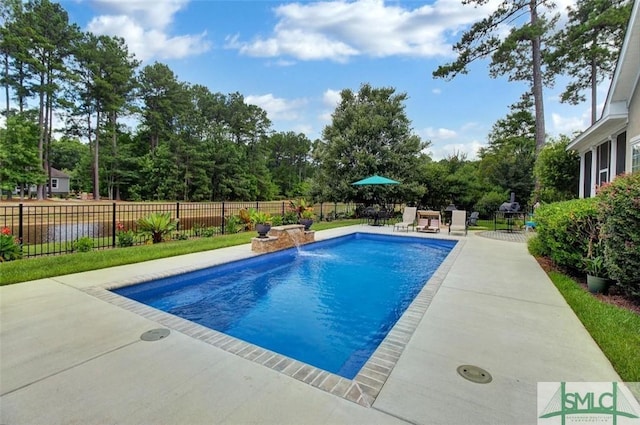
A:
[192,144]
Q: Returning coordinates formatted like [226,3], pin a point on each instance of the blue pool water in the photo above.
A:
[329,305]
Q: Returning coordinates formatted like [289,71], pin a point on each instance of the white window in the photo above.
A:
[603,163]
[635,157]
[54,183]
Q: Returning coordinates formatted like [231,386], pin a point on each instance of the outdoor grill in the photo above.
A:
[510,207]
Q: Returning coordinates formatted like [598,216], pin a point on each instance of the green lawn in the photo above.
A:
[49,266]
[615,330]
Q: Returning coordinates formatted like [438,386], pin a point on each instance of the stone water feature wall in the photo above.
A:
[283,237]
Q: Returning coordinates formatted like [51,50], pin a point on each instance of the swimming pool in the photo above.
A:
[329,305]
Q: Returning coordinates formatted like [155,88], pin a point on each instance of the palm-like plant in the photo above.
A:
[157,225]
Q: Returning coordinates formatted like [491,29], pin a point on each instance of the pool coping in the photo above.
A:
[363,389]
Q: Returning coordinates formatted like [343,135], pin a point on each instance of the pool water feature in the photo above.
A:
[329,305]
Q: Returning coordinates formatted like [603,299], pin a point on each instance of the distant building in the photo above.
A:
[60,184]
[611,146]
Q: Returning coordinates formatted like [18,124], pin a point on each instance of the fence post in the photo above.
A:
[178,216]
[283,208]
[20,225]
[321,215]
[223,220]
[113,226]
[257,205]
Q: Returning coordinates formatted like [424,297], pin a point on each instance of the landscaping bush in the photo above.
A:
[535,247]
[9,246]
[125,237]
[564,230]
[233,224]
[619,206]
[157,225]
[84,244]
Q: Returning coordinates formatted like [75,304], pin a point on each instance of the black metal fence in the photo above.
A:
[56,229]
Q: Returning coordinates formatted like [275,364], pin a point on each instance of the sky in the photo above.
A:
[292,59]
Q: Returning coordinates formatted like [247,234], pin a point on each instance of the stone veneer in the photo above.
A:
[283,237]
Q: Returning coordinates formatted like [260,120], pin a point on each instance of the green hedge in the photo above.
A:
[563,230]
[619,206]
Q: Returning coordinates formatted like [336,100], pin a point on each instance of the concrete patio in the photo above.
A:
[68,356]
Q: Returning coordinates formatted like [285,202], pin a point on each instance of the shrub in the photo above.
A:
[619,205]
[9,246]
[565,229]
[259,217]
[157,225]
[124,237]
[276,220]
[536,248]
[232,224]
[84,244]
[290,217]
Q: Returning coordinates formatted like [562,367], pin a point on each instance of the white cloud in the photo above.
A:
[446,142]
[440,151]
[152,14]
[436,91]
[277,108]
[339,30]
[143,26]
[568,125]
[439,133]
[331,98]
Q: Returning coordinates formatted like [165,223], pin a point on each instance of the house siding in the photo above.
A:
[633,129]
[607,148]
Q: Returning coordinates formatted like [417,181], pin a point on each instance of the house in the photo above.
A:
[611,146]
[60,182]
[60,185]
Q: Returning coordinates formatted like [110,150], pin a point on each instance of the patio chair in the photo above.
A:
[429,221]
[473,218]
[458,221]
[368,215]
[408,219]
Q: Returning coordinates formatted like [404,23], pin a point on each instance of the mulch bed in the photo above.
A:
[615,295]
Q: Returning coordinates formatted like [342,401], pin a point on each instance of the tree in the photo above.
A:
[288,161]
[162,96]
[518,55]
[507,162]
[67,152]
[369,134]
[104,82]
[9,13]
[45,40]
[587,48]
[557,169]
[19,162]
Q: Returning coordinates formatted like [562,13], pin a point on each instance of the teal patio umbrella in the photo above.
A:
[374,180]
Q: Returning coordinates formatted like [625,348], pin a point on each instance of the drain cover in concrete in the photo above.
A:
[154,334]
[474,374]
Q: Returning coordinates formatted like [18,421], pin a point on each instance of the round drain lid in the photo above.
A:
[154,334]
[474,374]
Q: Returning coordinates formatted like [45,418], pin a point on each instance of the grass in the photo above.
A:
[499,225]
[43,267]
[616,330]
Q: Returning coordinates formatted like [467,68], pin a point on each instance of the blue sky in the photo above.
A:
[293,58]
